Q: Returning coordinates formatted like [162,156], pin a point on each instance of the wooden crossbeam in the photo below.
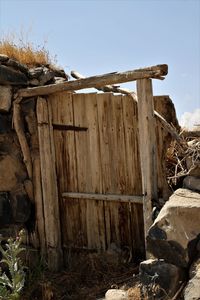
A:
[104,197]
[96,81]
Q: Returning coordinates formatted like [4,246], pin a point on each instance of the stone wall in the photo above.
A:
[16,198]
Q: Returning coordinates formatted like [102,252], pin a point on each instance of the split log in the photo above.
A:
[97,81]
[107,88]
[18,125]
[37,188]
[148,155]
[5,98]
[49,186]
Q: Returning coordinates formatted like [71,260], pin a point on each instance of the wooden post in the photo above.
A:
[49,186]
[147,140]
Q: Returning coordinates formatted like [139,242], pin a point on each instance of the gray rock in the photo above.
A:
[17,66]
[59,79]
[60,73]
[46,76]
[160,280]
[3,58]
[12,77]
[175,232]
[192,183]
[114,294]
[192,289]
[34,73]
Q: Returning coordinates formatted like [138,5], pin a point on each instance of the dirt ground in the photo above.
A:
[86,276]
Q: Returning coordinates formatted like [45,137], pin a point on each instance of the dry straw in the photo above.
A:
[20,49]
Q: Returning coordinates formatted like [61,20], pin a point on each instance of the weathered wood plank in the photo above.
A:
[148,150]
[105,197]
[96,81]
[49,186]
[88,166]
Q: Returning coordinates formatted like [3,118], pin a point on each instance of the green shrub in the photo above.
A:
[12,284]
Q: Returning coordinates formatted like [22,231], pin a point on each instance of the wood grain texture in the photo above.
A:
[148,149]
[49,186]
[103,160]
[96,81]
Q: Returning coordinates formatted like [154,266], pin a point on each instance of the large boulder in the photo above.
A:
[175,233]
[192,290]
[160,280]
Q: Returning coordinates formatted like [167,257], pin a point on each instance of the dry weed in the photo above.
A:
[25,52]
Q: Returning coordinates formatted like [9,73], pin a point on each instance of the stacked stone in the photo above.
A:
[174,242]
[15,203]
[14,74]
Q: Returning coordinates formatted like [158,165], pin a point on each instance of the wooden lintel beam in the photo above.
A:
[96,81]
[104,197]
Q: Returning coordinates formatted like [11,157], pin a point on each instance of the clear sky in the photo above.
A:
[95,37]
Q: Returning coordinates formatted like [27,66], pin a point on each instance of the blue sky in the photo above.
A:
[95,37]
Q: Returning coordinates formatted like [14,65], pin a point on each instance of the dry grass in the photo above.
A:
[87,276]
[25,52]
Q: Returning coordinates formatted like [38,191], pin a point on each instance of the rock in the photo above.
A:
[3,58]
[12,77]
[5,98]
[175,232]
[192,183]
[5,124]
[192,289]
[46,76]
[12,171]
[41,74]
[5,208]
[34,73]
[114,294]
[160,280]
[20,205]
[60,73]
[17,66]
[34,82]
[59,79]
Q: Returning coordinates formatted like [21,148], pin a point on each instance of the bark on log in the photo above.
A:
[97,81]
[18,125]
[37,188]
[107,88]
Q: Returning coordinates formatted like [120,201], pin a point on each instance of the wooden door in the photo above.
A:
[98,171]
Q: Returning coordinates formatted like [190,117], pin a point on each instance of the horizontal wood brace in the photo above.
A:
[96,81]
[104,197]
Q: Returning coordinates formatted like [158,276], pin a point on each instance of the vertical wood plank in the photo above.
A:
[88,166]
[49,186]
[148,148]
